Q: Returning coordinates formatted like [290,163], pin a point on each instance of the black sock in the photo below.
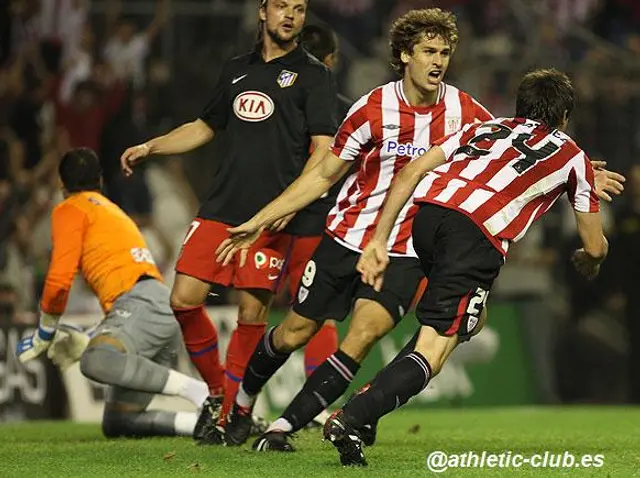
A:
[393,387]
[323,387]
[263,364]
[406,350]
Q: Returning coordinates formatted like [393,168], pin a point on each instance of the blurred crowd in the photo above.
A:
[90,73]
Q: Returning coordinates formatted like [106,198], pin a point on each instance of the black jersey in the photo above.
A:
[269,112]
[311,221]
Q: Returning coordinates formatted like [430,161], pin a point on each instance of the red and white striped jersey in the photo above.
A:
[382,133]
[506,173]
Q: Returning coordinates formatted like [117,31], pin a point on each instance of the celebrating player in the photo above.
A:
[488,183]
[274,103]
[382,133]
[134,346]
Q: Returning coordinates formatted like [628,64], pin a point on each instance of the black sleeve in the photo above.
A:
[216,113]
[321,106]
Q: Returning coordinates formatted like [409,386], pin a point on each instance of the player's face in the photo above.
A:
[283,19]
[428,63]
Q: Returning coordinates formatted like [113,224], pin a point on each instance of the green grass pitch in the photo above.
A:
[62,449]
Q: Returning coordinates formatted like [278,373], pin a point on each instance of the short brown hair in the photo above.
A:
[545,96]
[409,29]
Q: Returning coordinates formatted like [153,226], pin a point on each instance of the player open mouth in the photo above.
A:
[434,76]
[287,27]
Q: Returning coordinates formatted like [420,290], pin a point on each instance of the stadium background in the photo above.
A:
[553,339]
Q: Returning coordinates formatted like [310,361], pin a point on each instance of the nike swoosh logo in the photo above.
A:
[240,78]
[273,277]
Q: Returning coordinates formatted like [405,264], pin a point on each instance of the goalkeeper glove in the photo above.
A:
[32,346]
[68,346]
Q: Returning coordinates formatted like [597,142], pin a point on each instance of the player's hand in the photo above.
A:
[607,182]
[32,346]
[281,223]
[132,156]
[372,264]
[241,238]
[67,347]
[585,264]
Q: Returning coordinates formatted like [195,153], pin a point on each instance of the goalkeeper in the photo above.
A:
[134,346]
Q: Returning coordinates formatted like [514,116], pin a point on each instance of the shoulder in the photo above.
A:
[313,69]
[69,210]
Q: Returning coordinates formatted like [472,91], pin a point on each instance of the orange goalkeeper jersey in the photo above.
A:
[94,235]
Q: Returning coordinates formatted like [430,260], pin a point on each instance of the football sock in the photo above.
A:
[394,386]
[323,387]
[320,347]
[243,342]
[264,363]
[201,340]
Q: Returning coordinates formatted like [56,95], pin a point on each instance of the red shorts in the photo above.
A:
[264,261]
[302,248]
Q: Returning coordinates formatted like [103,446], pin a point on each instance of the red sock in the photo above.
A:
[201,339]
[243,342]
[320,347]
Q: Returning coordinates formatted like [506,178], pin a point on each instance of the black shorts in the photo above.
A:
[460,264]
[330,284]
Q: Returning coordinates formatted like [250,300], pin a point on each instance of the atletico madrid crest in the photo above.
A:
[287,78]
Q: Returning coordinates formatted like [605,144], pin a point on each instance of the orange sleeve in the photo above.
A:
[67,229]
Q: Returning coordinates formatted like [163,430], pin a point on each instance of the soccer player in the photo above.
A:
[478,191]
[383,132]
[133,348]
[275,103]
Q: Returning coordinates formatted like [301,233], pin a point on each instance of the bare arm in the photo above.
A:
[182,139]
[595,246]
[320,145]
[590,230]
[403,187]
[311,185]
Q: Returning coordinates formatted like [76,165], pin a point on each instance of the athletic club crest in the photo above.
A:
[287,78]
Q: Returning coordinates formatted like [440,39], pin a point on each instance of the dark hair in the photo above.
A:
[409,30]
[80,170]
[545,96]
[320,41]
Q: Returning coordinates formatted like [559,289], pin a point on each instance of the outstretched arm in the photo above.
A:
[307,188]
[180,140]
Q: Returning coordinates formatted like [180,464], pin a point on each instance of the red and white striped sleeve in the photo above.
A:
[481,113]
[449,144]
[355,131]
[581,185]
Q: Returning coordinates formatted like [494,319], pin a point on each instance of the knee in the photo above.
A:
[294,334]
[180,299]
[251,313]
[99,363]
[361,337]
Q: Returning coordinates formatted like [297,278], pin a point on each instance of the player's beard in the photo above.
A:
[278,40]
